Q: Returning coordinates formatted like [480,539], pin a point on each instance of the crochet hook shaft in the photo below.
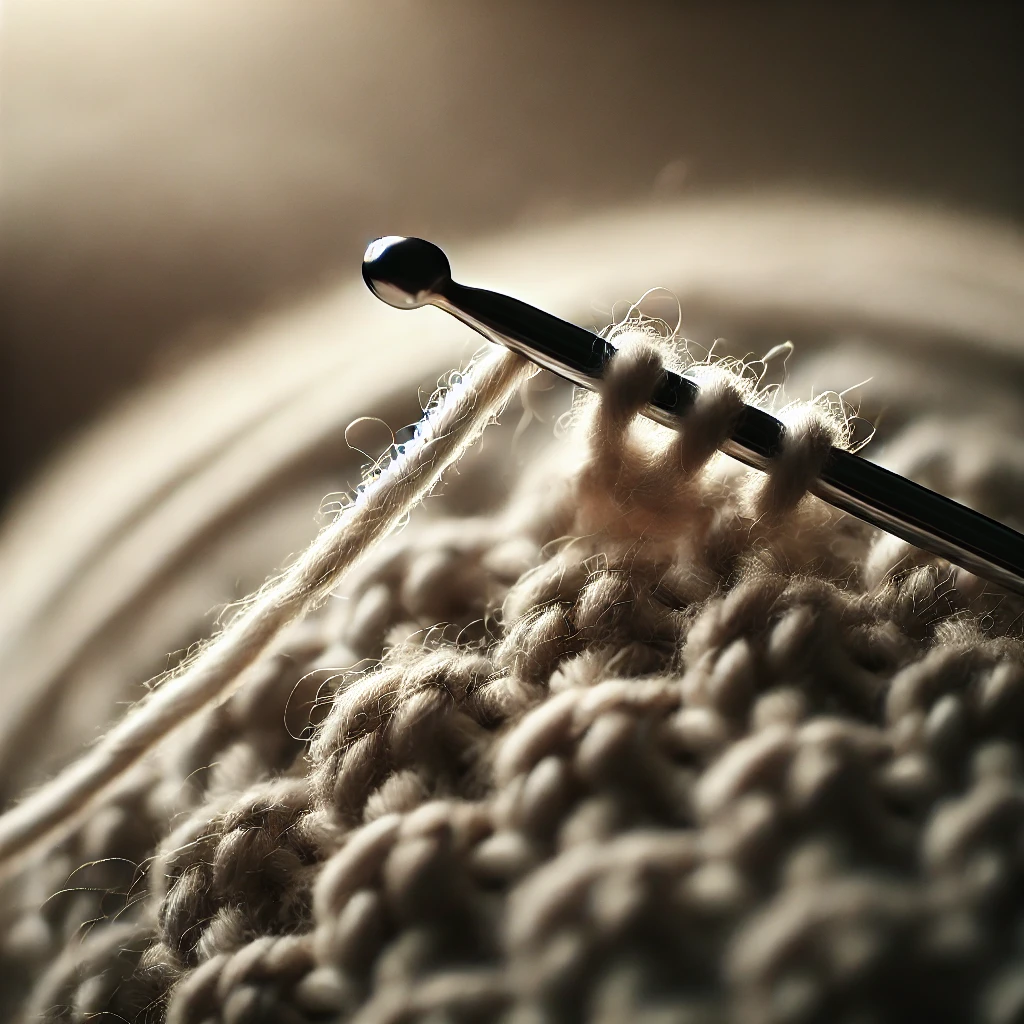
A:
[411,272]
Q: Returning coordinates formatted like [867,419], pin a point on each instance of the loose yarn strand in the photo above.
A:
[444,434]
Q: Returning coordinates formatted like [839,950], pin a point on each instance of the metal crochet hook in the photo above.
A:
[411,272]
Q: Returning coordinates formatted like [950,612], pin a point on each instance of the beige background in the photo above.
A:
[173,167]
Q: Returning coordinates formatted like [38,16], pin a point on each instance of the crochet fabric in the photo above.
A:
[654,738]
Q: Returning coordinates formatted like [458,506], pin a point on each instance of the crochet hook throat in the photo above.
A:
[412,272]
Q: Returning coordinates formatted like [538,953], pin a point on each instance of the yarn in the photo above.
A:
[677,754]
[442,437]
[167,491]
[728,768]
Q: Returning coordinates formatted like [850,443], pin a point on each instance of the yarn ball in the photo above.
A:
[625,731]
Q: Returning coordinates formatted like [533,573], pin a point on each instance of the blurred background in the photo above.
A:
[174,168]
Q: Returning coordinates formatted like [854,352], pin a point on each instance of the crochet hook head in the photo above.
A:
[411,272]
[405,272]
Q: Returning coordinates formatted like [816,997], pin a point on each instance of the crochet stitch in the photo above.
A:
[658,739]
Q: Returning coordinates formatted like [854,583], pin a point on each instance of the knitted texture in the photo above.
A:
[660,739]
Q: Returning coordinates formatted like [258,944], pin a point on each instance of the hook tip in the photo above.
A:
[405,272]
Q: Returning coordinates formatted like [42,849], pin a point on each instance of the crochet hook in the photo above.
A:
[412,272]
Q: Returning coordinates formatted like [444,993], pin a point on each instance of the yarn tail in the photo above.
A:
[445,433]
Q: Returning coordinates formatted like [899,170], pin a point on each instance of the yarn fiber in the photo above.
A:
[656,739]
[442,436]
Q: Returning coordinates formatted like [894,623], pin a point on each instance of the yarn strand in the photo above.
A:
[444,434]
